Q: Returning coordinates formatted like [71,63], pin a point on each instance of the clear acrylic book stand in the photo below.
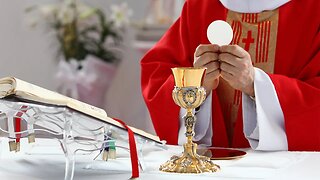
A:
[29,120]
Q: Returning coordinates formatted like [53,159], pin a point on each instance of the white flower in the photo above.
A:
[67,13]
[120,14]
[47,11]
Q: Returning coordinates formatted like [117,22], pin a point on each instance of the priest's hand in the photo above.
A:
[207,56]
[236,68]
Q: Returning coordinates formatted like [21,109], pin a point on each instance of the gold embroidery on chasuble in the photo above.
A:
[257,34]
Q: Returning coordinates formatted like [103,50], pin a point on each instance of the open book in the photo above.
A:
[11,86]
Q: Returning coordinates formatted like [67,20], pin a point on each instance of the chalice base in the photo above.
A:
[189,162]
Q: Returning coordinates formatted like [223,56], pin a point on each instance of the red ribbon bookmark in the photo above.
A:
[18,120]
[133,150]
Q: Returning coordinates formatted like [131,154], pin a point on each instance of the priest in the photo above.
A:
[263,89]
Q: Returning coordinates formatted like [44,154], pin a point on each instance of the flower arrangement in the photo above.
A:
[82,30]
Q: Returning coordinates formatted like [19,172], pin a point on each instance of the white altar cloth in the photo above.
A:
[45,160]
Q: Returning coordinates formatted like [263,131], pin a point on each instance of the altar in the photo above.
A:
[67,139]
[45,160]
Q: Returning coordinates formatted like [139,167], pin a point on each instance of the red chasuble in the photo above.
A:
[284,43]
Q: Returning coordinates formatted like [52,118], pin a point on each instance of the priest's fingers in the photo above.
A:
[215,74]
[205,59]
[204,48]
[228,77]
[235,50]
[230,59]
[228,68]
[211,80]
[212,66]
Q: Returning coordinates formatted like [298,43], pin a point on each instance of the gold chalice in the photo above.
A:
[189,94]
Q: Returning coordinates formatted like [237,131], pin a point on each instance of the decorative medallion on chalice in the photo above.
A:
[189,94]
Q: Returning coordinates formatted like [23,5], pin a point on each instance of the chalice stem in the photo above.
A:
[189,121]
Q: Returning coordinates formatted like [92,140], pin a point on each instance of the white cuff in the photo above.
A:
[203,126]
[263,120]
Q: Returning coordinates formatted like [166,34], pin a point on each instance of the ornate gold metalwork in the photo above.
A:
[189,94]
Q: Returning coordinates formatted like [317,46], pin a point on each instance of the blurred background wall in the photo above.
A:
[28,53]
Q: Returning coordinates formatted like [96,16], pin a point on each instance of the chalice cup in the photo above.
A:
[188,93]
